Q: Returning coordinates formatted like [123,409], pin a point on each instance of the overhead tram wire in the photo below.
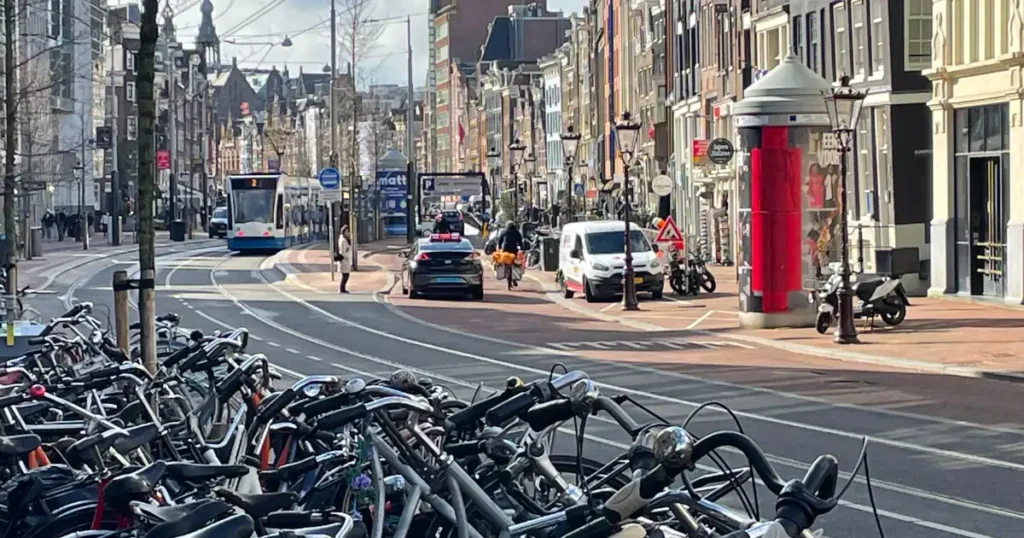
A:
[267,8]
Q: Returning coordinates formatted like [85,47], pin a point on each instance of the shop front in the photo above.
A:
[981,186]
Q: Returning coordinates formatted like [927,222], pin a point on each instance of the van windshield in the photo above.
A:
[613,243]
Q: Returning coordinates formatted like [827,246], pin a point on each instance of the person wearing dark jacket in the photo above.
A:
[62,222]
[511,240]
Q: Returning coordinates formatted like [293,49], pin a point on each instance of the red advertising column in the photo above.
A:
[775,203]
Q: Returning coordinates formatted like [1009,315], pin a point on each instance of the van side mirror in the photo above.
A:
[654,247]
[575,254]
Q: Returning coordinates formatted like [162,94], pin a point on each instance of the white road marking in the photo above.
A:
[314,359]
[273,344]
[257,338]
[609,307]
[292,351]
[952,454]
[700,319]
[799,465]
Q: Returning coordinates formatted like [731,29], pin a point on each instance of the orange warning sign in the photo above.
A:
[669,233]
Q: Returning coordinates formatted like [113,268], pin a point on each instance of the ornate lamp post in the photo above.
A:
[531,171]
[516,150]
[570,141]
[627,132]
[844,106]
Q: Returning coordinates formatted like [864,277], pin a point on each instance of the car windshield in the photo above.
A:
[220,213]
[451,215]
[612,242]
[252,205]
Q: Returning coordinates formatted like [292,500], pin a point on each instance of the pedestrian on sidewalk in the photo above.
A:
[62,220]
[344,258]
[48,219]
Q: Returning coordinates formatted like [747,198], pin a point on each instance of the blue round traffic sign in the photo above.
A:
[329,178]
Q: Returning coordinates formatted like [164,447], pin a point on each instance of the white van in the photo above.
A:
[592,259]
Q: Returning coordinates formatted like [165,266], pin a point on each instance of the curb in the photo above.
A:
[800,349]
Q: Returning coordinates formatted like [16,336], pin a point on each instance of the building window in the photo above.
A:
[841,48]
[879,39]
[865,172]
[798,36]
[860,39]
[442,31]
[132,130]
[129,92]
[918,32]
[129,61]
[813,42]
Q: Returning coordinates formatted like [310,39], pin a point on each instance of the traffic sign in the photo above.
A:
[662,185]
[329,178]
[577,188]
[428,184]
[331,195]
[669,233]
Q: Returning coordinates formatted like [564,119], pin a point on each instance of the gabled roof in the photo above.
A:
[498,45]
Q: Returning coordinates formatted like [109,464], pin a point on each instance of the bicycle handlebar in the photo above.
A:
[538,392]
[343,416]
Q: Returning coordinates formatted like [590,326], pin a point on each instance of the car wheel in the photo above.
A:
[477,293]
[566,292]
[588,292]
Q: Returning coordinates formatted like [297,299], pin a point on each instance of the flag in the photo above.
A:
[462,132]
[650,132]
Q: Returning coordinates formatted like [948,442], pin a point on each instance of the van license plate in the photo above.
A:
[638,280]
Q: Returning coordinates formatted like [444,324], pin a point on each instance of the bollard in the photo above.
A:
[121,287]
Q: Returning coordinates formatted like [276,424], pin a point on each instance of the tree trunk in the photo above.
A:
[147,183]
[10,147]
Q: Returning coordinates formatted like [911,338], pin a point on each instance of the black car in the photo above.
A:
[449,222]
[219,223]
[442,263]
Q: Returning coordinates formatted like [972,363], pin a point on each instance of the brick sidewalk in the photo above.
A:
[310,268]
[942,335]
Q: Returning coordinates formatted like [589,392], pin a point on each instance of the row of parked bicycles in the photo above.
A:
[214,444]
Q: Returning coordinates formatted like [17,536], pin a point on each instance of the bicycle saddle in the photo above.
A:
[182,519]
[85,449]
[173,514]
[15,446]
[121,490]
[137,436]
[240,526]
[197,474]
[261,504]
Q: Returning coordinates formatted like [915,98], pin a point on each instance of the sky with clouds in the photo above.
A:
[384,64]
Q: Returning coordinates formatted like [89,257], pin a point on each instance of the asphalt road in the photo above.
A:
[932,475]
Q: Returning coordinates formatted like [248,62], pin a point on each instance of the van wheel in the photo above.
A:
[566,292]
[588,292]
[658,294]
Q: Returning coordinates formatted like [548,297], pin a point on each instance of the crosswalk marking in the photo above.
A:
[649,344]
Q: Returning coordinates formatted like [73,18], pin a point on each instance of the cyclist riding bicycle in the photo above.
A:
[511,241]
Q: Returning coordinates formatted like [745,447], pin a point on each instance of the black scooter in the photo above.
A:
[881,296]
[687,276]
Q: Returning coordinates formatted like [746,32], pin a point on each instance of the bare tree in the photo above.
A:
[147,181]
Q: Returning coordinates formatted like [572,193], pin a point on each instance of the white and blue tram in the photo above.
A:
[269,212]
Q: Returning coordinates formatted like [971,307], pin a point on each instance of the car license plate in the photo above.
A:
[448,280]
[638,280]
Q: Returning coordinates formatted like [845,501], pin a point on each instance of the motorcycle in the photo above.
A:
[688,274]
[880,296]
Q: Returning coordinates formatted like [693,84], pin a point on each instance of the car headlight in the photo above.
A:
[600,267]
[655,264]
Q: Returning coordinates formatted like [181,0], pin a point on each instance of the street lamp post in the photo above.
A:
[531,172]
[570,141]
[516,149]
[627,132]
[844,105]
[493,176]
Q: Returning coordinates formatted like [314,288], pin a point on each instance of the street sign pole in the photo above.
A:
[330,180]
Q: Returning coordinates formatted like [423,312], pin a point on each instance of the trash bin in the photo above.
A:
[37,242]
[549,253]
[177,230]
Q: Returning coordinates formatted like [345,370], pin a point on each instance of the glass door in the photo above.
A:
[988,227]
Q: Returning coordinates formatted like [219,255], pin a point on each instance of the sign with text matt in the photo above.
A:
[393,188]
